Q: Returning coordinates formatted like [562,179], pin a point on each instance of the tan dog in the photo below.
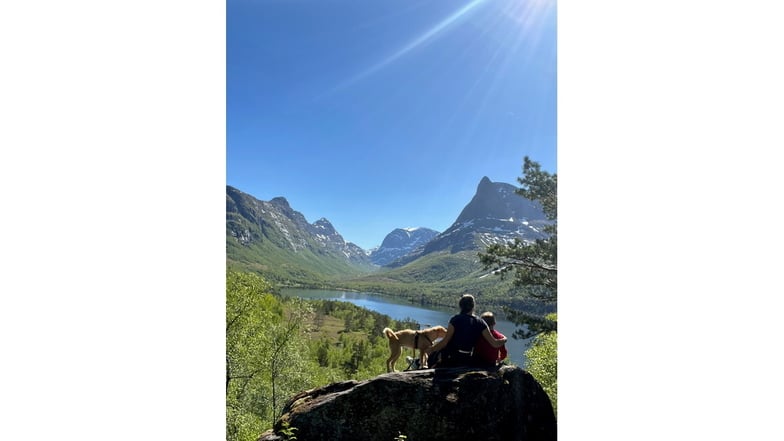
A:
[407,338]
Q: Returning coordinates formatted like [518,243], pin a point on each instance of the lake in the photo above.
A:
[400,309]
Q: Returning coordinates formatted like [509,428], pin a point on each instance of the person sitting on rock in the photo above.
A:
[463,332]
[486,354]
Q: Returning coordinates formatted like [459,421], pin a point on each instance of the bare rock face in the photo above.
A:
[432,404]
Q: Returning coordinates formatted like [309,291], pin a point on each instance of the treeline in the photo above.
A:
[494,294]
[278,346]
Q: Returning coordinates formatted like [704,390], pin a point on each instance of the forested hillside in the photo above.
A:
[277,346]
[436,278]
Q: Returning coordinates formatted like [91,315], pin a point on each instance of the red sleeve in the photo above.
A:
[502,354]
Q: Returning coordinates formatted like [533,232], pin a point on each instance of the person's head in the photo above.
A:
[467,303]
[489,318]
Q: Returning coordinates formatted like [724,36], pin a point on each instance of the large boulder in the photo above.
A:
[431,404]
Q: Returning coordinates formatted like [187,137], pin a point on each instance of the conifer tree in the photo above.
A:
[535,265]
[536,271]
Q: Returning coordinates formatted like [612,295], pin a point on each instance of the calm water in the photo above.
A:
[401,309]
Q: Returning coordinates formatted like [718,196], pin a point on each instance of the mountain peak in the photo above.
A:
[496,214]
[280,201]
[400,242]
[325,226]
[272,235]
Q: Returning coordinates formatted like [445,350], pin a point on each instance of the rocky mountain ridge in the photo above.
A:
[274,227]
[272,236]
[496,214]
[401,242]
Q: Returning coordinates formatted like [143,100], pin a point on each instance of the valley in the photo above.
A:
[421,265]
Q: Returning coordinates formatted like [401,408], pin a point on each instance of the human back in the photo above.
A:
[465,329]
[468,329]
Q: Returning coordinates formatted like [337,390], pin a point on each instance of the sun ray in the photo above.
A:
[424,38]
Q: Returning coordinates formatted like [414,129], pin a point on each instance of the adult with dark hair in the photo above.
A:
[464,330]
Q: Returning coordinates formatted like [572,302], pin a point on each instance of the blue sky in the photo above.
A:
[386,114]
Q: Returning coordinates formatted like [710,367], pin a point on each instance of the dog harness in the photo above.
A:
[416,339]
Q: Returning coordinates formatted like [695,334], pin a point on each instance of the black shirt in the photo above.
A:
[468,329]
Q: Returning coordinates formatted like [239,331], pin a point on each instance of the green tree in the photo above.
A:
[542,362]
[535,266]
[289,353]
[249,309]
[266,354]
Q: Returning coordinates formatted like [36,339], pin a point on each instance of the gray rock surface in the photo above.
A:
[432,404]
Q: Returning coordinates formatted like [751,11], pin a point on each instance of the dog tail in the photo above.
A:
[390,333]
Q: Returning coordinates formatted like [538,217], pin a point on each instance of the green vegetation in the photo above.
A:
[266,354]
[283,266]
[420,284]
[276,347]
[288,432]
[536,273]
[542,362]
[254,244]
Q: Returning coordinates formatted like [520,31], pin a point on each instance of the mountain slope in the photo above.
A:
[449,264]
[496,214]
[400,242]
[270,237]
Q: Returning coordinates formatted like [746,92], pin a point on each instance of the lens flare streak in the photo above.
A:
[419,41]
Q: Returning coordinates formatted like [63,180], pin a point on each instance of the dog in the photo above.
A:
[408,338]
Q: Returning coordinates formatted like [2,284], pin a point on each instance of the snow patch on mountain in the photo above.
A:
[401,242]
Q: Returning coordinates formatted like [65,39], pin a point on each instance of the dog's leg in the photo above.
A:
[395,352]
[422,359]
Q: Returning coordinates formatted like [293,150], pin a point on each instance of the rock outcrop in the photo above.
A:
[432,404]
